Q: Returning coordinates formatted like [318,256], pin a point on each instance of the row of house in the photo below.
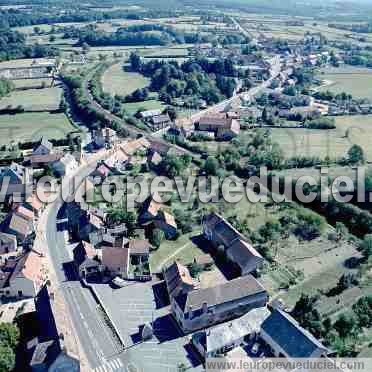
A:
[44,155]
[22,268]
[106,250]
[124,155]
[22,276]
[128,259]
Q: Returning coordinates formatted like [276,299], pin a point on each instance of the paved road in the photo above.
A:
[102,350]
[219,107]
[244,31]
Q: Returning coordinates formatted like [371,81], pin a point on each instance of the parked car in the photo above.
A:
[119,282]
[255,348]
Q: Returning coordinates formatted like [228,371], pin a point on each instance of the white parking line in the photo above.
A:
[110,366]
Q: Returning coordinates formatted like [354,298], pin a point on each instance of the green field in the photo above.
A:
[34,99]
[24,62]
[31,126]
[152,104]
[32,83]
[353,80]
[117,81]
[333,143]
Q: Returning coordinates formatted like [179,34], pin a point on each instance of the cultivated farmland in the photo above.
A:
[31,126]
[47,99]
[332,143]
[354,80]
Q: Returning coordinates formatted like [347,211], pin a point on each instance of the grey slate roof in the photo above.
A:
[237,247]
[292,338]
[233,290]
[159,119]
[217,337]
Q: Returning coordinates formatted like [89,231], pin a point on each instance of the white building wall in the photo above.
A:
[219,313]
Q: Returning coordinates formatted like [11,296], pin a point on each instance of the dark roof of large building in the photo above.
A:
[292,338]
[243,253]
[232,290]
[232,239]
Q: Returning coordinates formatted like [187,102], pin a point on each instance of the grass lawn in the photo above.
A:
[25,62]
[32,83]
[354,80]
[30,29]
[117,81]
[31,126]
[333,143]
[152,104]
[181,249]
[34,99]
[161,51]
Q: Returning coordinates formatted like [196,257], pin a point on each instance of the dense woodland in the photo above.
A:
[74,13]
[210,81]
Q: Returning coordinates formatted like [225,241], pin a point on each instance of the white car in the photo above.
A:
[255,348]
[119,282]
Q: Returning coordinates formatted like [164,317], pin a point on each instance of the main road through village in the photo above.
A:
[101,349]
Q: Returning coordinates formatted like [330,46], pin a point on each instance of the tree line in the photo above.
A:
[13,46]
[6,86]
[72,13]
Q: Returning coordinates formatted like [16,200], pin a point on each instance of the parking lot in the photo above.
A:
[131,307]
